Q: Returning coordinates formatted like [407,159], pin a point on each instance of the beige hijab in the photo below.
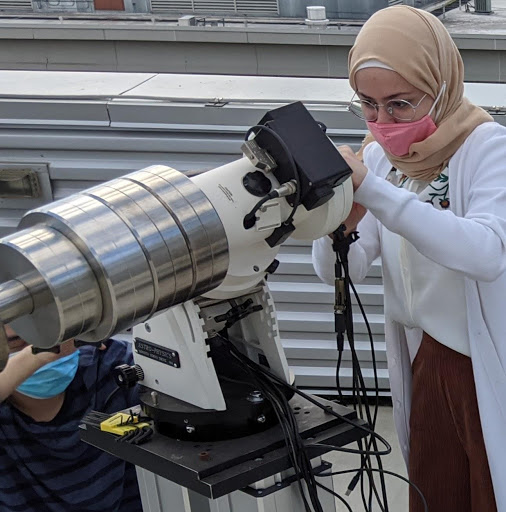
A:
[417,46]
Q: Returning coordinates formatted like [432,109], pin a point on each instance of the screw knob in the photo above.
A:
[127,376]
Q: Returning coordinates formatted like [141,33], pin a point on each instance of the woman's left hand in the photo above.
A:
[358,168]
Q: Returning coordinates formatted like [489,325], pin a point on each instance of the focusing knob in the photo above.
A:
[127,376]
[257,183]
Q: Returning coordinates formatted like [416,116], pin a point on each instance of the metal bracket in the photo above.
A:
[217,102]
[262,493]
[212,22]
[236,313]
[260,158]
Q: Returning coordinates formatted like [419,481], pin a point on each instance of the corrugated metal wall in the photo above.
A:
[15,5]
[264,7]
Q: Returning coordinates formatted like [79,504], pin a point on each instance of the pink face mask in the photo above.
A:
[396,138]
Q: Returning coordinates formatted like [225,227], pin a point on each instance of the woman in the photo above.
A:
[430,198]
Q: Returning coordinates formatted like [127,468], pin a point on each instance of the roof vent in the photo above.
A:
[483,6]
[316,16]
[187,21]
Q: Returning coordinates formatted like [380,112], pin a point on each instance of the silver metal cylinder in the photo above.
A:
[15,300]
[65,295]
[110,257]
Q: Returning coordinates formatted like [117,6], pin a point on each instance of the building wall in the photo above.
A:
[349,9]
[255,49]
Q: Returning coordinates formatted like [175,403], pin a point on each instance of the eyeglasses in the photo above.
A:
[402,110]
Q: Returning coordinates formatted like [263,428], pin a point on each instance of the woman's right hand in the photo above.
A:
[357,213]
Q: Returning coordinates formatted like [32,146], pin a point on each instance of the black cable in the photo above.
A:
[293,165]
[251,364]
[286,420]
[376,382]
[341,247]
[344,323]
[365,454]
[339,320]
[110,397]
[250,218]
[353,451]
[373,351]
[248,362]
[330,491]
[338,383]
[374,363]
[302,463]
[295,444]
[386,472]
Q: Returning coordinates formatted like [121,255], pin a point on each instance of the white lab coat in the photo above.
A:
[469,238]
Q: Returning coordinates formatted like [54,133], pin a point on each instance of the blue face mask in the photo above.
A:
[51,379]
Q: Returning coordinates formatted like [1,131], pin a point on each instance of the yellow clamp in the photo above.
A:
[121,423]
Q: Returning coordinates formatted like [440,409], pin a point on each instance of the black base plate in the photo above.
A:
[215,469]
[173,416]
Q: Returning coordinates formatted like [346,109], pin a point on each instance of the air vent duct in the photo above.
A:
[483,6]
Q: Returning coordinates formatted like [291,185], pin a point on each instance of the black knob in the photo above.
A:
[257,183]
[127,376]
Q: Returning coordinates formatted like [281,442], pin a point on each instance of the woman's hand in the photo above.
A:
[356,215]
[358,168]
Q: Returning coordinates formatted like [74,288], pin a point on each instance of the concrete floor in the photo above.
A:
[460,21]
[397,490]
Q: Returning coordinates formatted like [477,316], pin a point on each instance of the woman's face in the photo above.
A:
[378,86]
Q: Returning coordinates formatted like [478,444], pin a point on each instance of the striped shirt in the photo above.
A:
[45,467]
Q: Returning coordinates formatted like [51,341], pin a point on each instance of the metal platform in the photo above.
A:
[231,465]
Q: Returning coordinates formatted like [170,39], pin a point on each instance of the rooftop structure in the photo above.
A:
[247,46]
[335,9]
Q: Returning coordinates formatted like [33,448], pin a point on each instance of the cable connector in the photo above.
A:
[287,189]
[340,295]
[258,156]
[353,484]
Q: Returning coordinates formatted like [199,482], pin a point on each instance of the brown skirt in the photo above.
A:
[447,460]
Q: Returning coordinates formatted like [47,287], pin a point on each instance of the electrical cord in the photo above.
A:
[366,462]
[267,386]
[289,429]
[343,322]
[386,472]
[330,491]
[258,368]
[284,190]
[352,451]
[338,382]
[291,160]
[341,247]
[286,420]
[366,466]
[250,218]
[270,385]
[110,397]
